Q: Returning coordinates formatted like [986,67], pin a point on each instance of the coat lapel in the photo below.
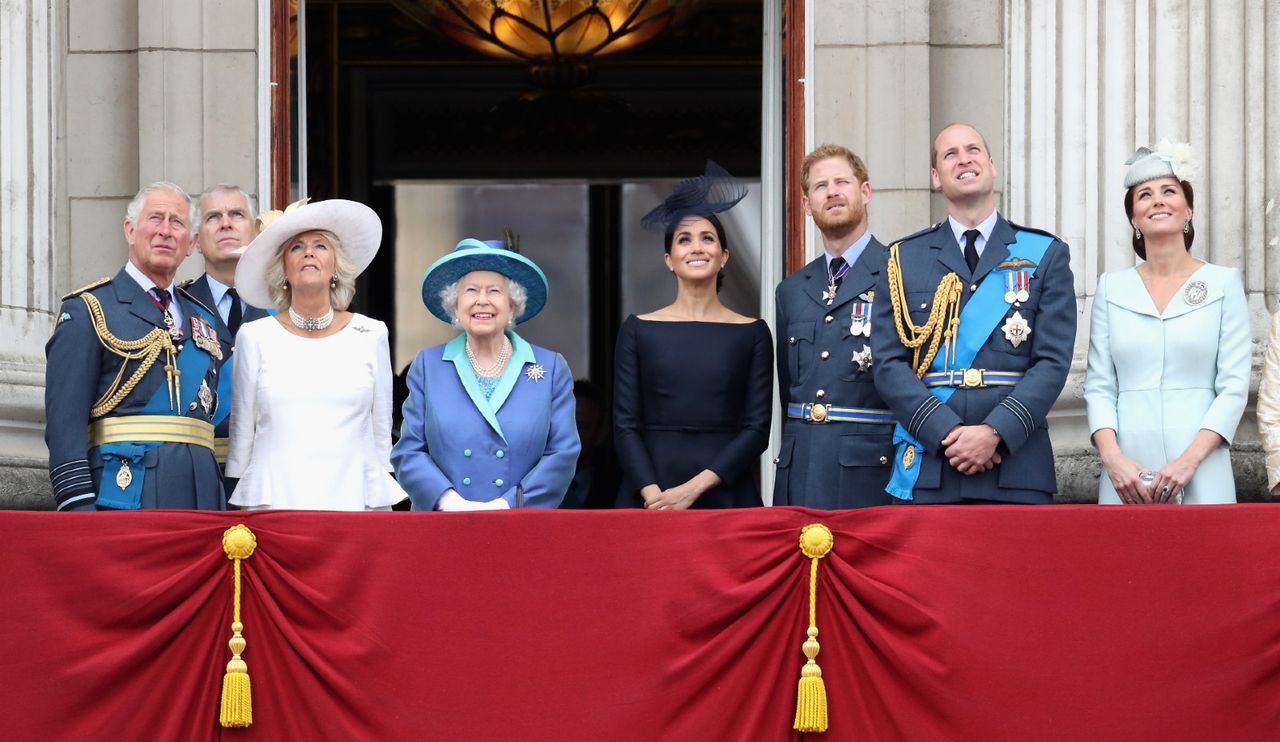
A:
[815,274]
[455,353]
[948,250]
[1126,290]
[521,354]
[140,303]
[996,250]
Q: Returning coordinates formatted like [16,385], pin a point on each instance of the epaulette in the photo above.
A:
[183,288]
[100,282]
[922,232]
[1020,228]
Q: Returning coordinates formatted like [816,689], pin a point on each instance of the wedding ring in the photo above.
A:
[1165,489]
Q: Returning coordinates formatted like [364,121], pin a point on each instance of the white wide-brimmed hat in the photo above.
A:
[357,227]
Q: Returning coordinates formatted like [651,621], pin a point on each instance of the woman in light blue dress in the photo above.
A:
[1168,373]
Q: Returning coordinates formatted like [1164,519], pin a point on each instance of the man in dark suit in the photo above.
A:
[225,221]
[973,342]
[132,376]
[837,433]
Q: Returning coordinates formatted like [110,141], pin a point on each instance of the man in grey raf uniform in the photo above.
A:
[132,376]
[225,224]
[973,342]
[837,434]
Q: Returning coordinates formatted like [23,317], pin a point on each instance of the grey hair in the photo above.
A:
[340,296]
[515,292]
[224,188]
[134,209]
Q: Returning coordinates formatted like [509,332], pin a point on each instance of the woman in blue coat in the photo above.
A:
[1168,372]
[489,421]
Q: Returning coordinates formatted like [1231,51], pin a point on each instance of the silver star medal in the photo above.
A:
[863,358]
[205,395]
[1016,329]
[535,372]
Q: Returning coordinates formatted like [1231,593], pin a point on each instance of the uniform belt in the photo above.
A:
[972,378]
[221,446]
[163,428]
[825,413]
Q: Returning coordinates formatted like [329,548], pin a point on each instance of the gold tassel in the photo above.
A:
[811,697]
[237,702]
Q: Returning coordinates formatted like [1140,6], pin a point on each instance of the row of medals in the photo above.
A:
[1016,328]
[206,339]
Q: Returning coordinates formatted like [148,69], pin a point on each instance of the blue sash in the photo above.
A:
[978,320]
[193,364]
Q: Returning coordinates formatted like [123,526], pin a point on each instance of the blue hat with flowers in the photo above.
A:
[488,255]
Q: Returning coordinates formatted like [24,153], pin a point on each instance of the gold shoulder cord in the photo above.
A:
[145,350]
[944,316]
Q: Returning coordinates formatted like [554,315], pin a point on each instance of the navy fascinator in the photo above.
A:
[710,193]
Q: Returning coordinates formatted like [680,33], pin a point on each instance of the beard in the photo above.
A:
[840,225]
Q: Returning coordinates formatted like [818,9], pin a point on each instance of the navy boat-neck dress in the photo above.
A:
[690,396]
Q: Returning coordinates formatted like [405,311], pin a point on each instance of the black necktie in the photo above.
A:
[836,271]
[235,316]
[971,249]
[162,298]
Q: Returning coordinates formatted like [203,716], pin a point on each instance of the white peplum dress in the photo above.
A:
[311,419]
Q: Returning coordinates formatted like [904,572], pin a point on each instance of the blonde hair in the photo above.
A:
[340,296]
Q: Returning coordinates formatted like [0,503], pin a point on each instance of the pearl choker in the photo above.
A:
[311,324]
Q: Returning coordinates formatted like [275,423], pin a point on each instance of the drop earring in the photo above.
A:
[1137,233]
[1186,227]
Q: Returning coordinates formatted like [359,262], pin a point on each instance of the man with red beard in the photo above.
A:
[973,341]
[837,442]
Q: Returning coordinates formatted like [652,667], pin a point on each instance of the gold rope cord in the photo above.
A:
[944,316]
[145,350]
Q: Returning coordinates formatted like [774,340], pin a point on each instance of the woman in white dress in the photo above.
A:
[1168,371]
[311,409]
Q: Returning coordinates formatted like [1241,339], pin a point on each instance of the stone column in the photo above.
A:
[29,231]
[1089,81]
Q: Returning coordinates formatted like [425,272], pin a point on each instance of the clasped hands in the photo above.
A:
[1166,485]
[971,449]
[451,501]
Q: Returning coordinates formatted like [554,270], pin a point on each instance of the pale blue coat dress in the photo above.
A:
[1158,379]
[520,443]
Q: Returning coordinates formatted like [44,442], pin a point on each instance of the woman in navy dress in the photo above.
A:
[693,382]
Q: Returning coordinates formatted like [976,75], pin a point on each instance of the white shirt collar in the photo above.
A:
[218,290]
[985,228]
[175,306]
[853,252]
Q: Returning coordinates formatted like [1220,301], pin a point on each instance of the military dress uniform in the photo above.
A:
[1011,382]
[202,292]
[837,432]
[129,400]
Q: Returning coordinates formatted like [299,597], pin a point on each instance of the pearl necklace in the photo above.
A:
[490,372]
[311,324]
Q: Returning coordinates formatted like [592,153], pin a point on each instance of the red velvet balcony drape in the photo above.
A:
[979,623]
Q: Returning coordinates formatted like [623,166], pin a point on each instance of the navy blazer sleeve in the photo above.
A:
[780,353]
[71,379]
[1020,413]
[753,438]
